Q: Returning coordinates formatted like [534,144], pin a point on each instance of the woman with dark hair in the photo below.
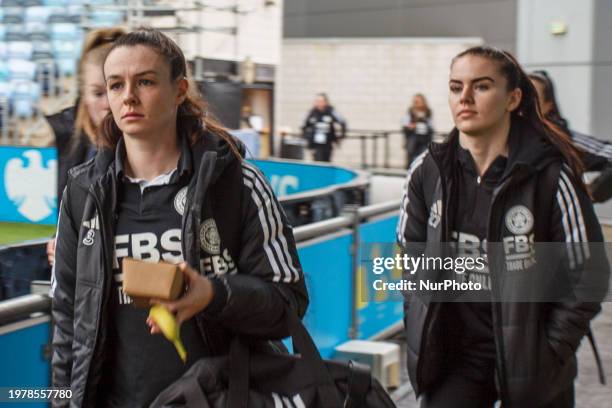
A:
[75,128]
[417,128]
[168,183]
[596,154]
[505,180]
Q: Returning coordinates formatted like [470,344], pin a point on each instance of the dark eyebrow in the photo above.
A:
[143,73]
[483,78]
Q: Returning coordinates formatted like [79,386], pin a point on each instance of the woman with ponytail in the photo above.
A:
[168,184]
[75,128]
[506,180]
[596,154]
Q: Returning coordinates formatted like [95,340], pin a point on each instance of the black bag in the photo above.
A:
[265,380]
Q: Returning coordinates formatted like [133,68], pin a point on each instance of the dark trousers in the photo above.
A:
[322,152]
[460,391]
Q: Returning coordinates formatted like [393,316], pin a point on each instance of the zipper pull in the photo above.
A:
[478,179]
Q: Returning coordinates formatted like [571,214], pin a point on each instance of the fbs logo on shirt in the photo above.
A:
[435,214]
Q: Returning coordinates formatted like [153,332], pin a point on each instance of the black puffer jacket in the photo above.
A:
[323,122]
[535,341]
[223,191]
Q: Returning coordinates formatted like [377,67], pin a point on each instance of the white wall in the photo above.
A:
[369,80]
[568,58]
[259,32]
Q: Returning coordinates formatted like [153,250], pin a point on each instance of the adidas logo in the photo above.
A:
[287,402]
[435,214]
[94,223]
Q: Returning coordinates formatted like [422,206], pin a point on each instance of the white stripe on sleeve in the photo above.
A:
[403,217]
[269,213]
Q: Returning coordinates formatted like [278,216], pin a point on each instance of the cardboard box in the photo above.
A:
[143,281]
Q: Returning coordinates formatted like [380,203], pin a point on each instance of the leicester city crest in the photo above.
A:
[519,220]
[209,237]
[179,201]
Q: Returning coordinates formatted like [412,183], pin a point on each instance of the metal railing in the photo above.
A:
[370,144]
[352,218]
[22,307]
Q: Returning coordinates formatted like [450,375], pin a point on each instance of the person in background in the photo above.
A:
[596,153]
[504,176]
[417,128]
[319,128]
[75,128]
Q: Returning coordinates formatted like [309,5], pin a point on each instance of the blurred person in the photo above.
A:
[504,175]
[168,183]
[75,128]
[417,128]
[319,128]
[596,153]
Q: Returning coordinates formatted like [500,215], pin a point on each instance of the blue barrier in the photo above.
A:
[328,270]
[291,178]
[375,311]
[28,185]
[23,363]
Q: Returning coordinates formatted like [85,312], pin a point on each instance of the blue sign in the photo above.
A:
[28,188]
[327,269]
[290,178]
[376,310]
[23,363]
[29,180]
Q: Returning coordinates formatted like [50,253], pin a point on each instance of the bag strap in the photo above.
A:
[358,385]
[303,343]
[239,360]
[600,369]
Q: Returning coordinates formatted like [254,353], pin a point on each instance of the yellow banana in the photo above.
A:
[171,330]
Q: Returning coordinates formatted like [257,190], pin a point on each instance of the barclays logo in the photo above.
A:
[30,186]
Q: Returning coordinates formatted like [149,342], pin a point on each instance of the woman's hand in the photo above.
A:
[199,294]
[51,251]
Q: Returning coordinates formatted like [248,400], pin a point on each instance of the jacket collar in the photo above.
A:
[208,146]
[528,151]
[184,165]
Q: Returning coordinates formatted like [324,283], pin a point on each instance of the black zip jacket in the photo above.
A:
[261,279]
[323,121]
[535,341]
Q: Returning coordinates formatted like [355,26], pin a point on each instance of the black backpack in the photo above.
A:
[252,379]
